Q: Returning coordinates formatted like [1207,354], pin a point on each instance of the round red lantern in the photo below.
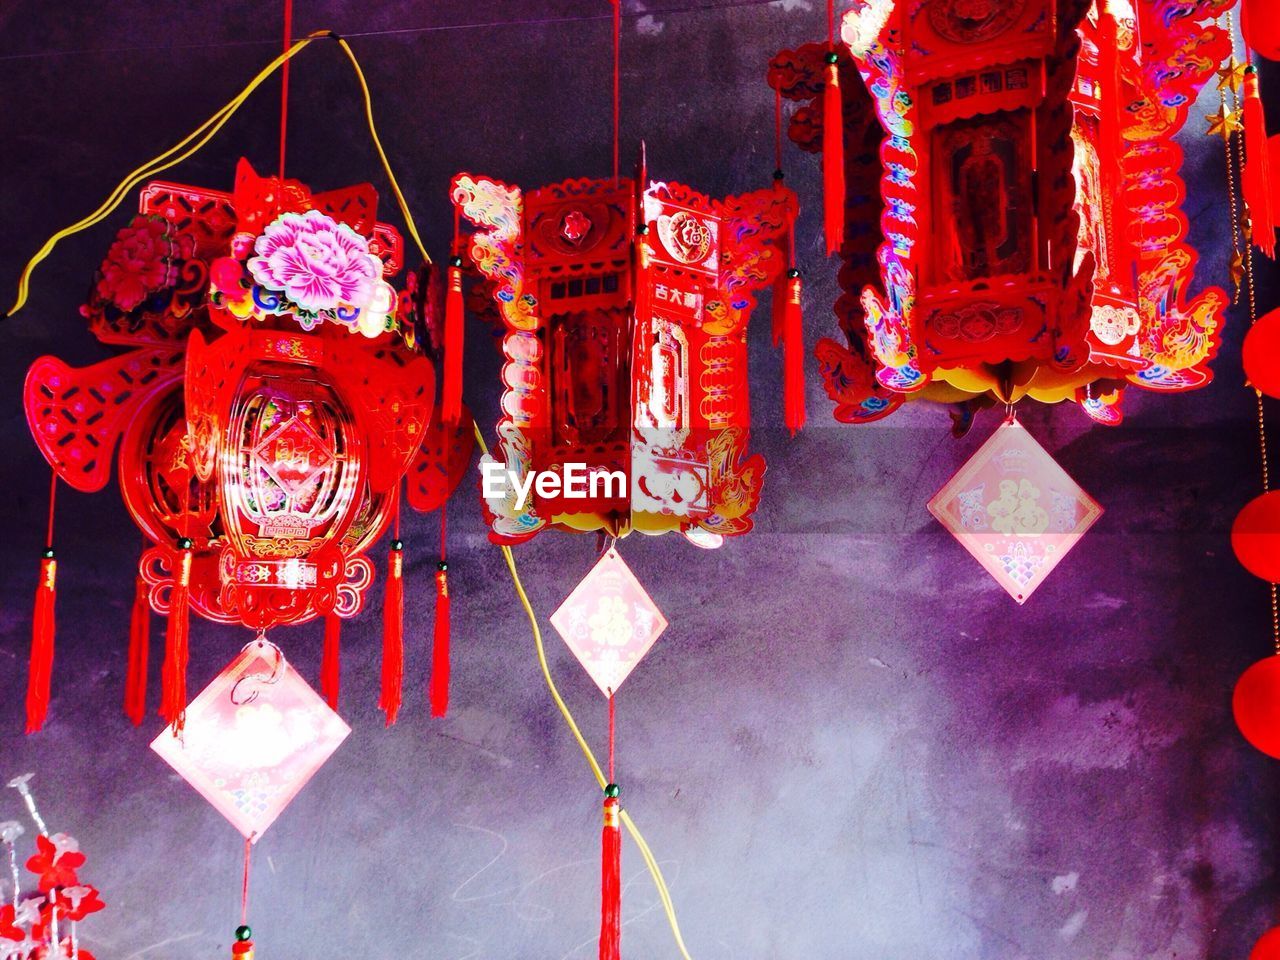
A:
[1255,537]
[1267,947]
[1261,28]
[1256,705]
[1261,354]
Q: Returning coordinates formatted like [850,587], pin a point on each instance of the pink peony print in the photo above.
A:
[316,262]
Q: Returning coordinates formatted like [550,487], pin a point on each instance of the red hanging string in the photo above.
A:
[617,81]
[612,736]
[244,888]
[53,497]
[284,90]
[777,133]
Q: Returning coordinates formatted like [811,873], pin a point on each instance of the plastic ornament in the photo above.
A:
[1255,537]
[1261,27]
[1256,705]
[1261,354]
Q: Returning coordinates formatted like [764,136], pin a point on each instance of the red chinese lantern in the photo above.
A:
[1256,705]
[1260,27]
[1255,536]
[267,415]
[624,309]
[1023,169]
[1267,947]
[1261,354]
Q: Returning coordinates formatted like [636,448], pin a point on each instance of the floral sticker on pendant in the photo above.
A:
[253,738]
[1015,509]
[609,622]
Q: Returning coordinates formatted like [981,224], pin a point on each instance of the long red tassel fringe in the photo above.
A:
[1259,190]
[40,677]
[393,634]
[438,691]
[793,355]
[833,188]
[173,697]
[611,879]
[135,681]
[454,317]
[331,659]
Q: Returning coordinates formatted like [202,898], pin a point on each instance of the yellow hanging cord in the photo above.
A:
[664,893]
[382,155]
[170,158]
[201,136]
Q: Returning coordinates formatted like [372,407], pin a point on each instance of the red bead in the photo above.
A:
[1268,947]
[1255,537]
[1256,705]
[1261,354]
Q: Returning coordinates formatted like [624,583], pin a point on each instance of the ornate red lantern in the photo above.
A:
[1032,240]
[624,310]
[276,394]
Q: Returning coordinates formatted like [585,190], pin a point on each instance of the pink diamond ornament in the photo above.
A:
[253,738]
[609,622]
[1015,509]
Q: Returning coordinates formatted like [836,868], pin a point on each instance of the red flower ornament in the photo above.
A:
[8,929]
[139,263]
[55,865]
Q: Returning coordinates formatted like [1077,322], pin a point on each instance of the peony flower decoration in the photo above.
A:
[141,262]
[318,264]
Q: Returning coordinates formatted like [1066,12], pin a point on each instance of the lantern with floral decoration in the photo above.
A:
[276,393]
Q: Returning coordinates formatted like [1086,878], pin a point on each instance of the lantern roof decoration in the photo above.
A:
[1031,241]
[624,307]
[274,394]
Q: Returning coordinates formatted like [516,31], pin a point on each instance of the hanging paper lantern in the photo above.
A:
[1261,28]
[275,395]
[1261,354]
[1023,170]
[624,309]
[1256,705]
[1255,537]
[1267,947]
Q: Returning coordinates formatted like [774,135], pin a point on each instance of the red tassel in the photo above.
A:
[453,340]
[173,697]
[833,158]
[1257,184]
[611,878]
[135,680]
[330,659]
[793,355]
[439,690]
[40,677]
[393,634]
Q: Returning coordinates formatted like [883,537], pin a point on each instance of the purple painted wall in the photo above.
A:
[849,744]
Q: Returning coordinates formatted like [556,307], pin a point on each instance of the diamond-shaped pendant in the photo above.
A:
[1015,509]
[253,738]
[609,622]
